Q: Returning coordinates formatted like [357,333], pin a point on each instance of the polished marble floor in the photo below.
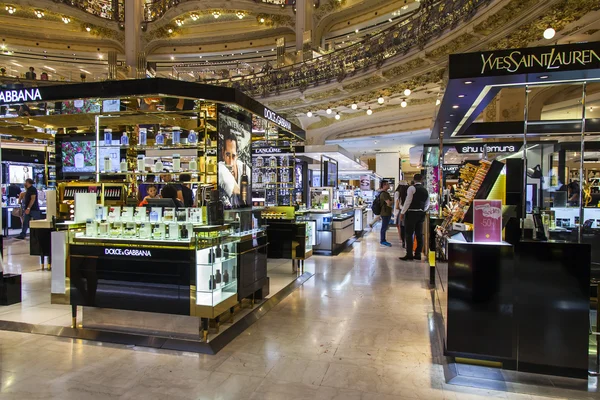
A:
[361,328]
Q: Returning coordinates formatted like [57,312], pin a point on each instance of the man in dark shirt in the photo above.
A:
[386,212]
[32,208]
[413,215]
[188,194]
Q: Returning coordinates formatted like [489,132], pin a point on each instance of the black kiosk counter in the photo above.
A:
[525,302]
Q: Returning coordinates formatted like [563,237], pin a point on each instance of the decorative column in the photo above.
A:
[304,22]
[112,65]
[134,10]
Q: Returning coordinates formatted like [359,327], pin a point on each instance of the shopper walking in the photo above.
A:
[385,201]
[413,215]
[399,200]
[32,210]
[376,218]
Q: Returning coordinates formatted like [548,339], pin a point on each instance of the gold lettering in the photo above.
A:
[510,60]
[489,62]
[593,54]
[536,60]
[577,58]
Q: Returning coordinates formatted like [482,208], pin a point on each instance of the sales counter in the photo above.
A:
[123,282]
[333,229]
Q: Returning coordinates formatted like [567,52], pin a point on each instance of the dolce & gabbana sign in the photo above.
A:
[278,119]
[19,96]
[127,252]
[570,57]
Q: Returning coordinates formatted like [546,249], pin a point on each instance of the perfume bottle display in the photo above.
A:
[124,139]
[225,277]
[160,138]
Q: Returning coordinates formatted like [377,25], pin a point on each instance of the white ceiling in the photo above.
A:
[400,142]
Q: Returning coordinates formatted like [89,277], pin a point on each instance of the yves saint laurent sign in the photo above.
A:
[478,148]
[278,119]
[20,96]
[541,60]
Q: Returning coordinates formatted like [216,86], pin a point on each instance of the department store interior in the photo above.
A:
[310,198]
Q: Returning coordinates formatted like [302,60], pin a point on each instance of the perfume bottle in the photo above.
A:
[108,137]
[219,252]
[192,137]
[124,139]
[153,216]
[144,230]
[91,228]
[244,189]
[272,161]
[225,277]
[142,135]
[211,282]
[160,138]
[173,231]
[183,234]
[259,161]
[218,277]
[106,164]
[176,137]
[123,165]
[176,162]
[215,209]
[193,164]
[141,163]
[158,166]
[211,256]
[226,252]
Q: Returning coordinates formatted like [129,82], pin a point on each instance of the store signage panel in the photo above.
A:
[571,57]
[487,221]
[278,119]
[480,148]
[19,96]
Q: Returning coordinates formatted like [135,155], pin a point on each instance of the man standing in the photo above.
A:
[386,211]
[413,215]
[32,208]
[233,173]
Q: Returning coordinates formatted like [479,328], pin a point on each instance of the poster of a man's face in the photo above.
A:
[235,156]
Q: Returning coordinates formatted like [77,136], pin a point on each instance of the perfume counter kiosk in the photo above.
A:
[168,281]
[333,230]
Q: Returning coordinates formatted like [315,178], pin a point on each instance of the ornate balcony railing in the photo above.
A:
[154,9]
[108,9]
[431,20]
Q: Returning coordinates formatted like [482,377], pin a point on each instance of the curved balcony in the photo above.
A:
[108,9]
[430,21]
[155,9]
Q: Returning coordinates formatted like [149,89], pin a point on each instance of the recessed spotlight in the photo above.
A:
[179,22]
[100,56]
[216,14]
[468,82]
[369,111]
[309,114]
[438,102]
[447,122]
[354,106]
[66,20]
[380,100]
[549,33]
[194,16]
[544,77]
[407,92]
[455,107]
[262,20]
[11,9]
[172,58]
[328,111]
[337,115]
[356,31]
[39,13]
[403,104]
[170,30]
[390,20]
[240,14]
[88,28]
[452,115]
[460,96]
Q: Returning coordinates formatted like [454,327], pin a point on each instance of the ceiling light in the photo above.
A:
[240,14]
[170,30]
[356,31]
[549,33]
[404,103]
[88,28]
[354,106]
[438,102]
[407,92]
[390,20]
[460,96]
[179,22]
[66,20]
[544,77]
[337,115]
[309,114]
[216,14]
[100,56]
[455,106]
[380,100]
[369,111]
[194,16]
[11,9]
[172,57]
[328,111]
[262,20]
[468,82]
[39,13]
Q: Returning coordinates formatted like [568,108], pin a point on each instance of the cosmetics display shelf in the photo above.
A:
[132,242]
[155,173]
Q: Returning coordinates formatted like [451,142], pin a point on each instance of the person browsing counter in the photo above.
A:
[170,192]
[188,194]
[152,193]
[32,207]
[168,179]
[413,215]
[386,212]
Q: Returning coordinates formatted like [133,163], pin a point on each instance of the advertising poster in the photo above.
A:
[487,221]
[79,156]
[234,156]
